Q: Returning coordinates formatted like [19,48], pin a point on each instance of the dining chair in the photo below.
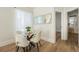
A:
[21,41]
[36,39]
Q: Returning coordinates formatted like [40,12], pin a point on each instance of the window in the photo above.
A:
[23,19]
[71,20]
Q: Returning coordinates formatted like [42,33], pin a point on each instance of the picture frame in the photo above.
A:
[48,18]
[43,19]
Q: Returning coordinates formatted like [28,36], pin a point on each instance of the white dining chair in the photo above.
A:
[21,41]
[36,39]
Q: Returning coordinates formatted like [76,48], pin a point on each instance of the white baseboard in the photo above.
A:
[48,40]
[6,42]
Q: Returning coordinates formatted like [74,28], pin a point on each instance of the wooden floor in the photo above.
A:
[61,46]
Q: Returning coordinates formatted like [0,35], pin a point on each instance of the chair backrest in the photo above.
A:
[21,40]
[37,35]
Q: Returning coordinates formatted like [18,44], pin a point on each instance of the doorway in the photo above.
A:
[58,26]
[73,27]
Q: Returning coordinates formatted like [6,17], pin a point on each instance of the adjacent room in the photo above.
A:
[58,26]
[73,27]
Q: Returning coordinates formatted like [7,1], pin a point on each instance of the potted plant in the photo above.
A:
[28,28]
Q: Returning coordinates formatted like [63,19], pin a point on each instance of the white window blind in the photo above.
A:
[23,19]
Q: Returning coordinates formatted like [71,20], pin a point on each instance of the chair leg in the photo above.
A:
[40,43]
[37,47]
[27,49]
[17,48]
[24,49]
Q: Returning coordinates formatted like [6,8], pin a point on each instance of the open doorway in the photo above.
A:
[58,26]
[73,27]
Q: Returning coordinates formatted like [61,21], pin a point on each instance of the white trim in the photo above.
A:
[48,40]
[6,42]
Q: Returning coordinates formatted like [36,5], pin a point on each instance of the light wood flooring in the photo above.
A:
[60,46]
[71,45]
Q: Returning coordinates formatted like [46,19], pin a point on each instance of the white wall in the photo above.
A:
[7,24]
[64,25]
[48,30]
[28,9]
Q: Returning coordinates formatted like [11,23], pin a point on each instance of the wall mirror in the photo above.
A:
[43,19]
[39,20]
